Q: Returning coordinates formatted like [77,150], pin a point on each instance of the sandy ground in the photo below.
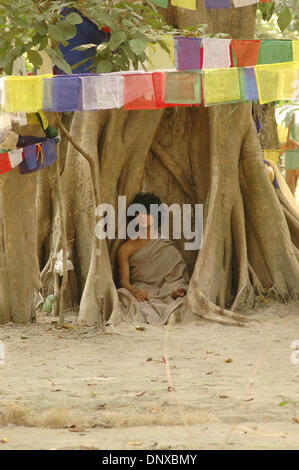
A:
[78,389]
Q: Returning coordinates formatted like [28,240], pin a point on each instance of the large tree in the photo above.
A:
[185,155]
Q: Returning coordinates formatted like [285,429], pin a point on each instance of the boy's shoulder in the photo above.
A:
[126,248]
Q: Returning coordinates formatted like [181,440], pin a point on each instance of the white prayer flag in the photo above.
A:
[102,92]
[15,157]
[244,3]
[216,53]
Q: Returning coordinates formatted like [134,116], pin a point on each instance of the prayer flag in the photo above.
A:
[216,53]
[244,3]
[275,50]
[277,81]
[66,93]
[183,87]
[24,93]
[5,165]
[246,51]
[158,58]
[217,4]
[187,53]
[295,44]
[160,3]
[102,92]
[248,84]
[221,86]
[190,4]
[15,157]
[139,92]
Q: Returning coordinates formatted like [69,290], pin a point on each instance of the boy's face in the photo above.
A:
[144,220]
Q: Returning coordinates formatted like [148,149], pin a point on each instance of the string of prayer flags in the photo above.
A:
[217,4]
[246,51]
[221,86]
[277,81]
[216,53]
[183,87]
[102,92]
[187,53]
[190,4]
[158,58]
[24,93]
[244,3]
[273,51]
[248,85]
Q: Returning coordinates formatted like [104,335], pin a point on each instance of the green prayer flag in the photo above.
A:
[273,51]
[183,87]
[292,159]
[160,3]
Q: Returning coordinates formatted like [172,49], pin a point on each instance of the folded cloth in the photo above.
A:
[38,156]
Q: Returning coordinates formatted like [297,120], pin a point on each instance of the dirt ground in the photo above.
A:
[187,386]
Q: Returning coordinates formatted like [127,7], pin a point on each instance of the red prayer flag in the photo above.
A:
[246,51]
[139,91]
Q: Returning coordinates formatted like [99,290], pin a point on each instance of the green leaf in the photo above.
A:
[73,18]
[104,66]
[61,63]
[67,30]
[284,19]
[116,39]
[52,298]
[35,58]
[138,46]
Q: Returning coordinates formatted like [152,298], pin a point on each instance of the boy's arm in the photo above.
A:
[123,255]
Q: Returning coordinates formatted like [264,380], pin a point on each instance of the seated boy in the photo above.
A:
[153,275]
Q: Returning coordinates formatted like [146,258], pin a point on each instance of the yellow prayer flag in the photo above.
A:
[282,134]
[277,81]
[295,44]
[190,4]
[24,93]
[272,154]
[158,58]
[221,86]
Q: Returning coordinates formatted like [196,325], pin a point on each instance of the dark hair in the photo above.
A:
[146,199]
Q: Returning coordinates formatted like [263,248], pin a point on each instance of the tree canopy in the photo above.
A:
[31,26]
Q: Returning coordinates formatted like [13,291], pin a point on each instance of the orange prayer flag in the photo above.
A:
[246,51]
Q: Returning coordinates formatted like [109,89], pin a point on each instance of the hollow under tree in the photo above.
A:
[185,155]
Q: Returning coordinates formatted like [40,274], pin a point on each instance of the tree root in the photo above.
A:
[204,308]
